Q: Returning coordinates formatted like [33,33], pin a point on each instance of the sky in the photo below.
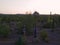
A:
[23,6]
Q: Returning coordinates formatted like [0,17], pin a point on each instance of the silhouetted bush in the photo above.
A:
[4,30]
[49,24]
[44,35]
[19,25]
[21,41]
[28,21]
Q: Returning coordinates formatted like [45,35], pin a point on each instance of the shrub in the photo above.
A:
[49,24]
[29,30]
[28,21]
[4,30]
[19,25]
[44,35]
[21,41]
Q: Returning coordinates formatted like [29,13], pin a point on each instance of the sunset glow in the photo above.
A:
[21,6]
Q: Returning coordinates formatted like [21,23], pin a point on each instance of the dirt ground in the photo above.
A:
[54,38]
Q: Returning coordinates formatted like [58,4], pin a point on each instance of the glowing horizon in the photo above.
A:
[21,6]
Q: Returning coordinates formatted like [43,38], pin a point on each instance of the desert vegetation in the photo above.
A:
[10,23]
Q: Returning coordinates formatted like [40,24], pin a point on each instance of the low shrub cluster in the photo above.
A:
[44,35]
[4,30]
